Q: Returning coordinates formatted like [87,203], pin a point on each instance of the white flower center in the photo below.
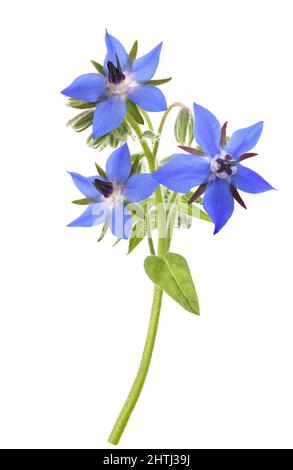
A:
[117,196]
[122,88]
[223,165]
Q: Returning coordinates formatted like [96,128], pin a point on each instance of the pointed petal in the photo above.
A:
[244,139]
[108,115]
[145,67]
[182,172]
[89,87]
[140,187]
[218,202]
[118,165]
[249,181]
[120,221]
[85,184]
[115,47]
[94,214]
[148,97]
[207,130]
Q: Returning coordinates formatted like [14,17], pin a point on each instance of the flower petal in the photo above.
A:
[249,181]
[86,186]
[207,130]
[183,172]
[118,165]
[148,97]
[108,115]
[145,67]
[115,47]
[140,187]
[120,221]
[94,214]
[244,139]
[218,202]
[89,87]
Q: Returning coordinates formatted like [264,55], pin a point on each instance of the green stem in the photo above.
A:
[147,118]
[162,225]
[143,143]
[139,380]
[150,238]
[172,218]
[161,126]
[138,383]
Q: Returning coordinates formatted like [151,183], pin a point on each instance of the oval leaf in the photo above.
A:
[172,274]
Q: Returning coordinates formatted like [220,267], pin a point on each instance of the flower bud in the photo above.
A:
[183,128]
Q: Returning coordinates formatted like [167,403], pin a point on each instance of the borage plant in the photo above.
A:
[134,203]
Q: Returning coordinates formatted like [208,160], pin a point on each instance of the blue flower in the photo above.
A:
[216,168]
[109,194]
[121,80]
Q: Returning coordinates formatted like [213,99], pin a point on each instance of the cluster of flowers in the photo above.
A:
[214,166]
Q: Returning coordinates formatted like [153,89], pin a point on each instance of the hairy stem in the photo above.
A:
[139,380]
[147,118]
[161,126]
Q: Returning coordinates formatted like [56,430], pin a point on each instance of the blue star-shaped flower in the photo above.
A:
[216,169]
[109,194]
[121,80]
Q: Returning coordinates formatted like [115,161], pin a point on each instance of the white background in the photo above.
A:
[74,313]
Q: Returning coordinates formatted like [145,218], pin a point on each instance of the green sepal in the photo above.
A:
[100,170]
[78,104]
[159,82]
[114,138]
[82,202]
[104,231]
[98,67]
[116,242]
[82,121]
[173,276]
[99,143]
[133,52]
[133,110]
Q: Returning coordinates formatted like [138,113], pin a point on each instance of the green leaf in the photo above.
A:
[132,109]
[98,67]
[133,53]
[104,231]
[159,82]
[172,274]
[82,202]
[100,170]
